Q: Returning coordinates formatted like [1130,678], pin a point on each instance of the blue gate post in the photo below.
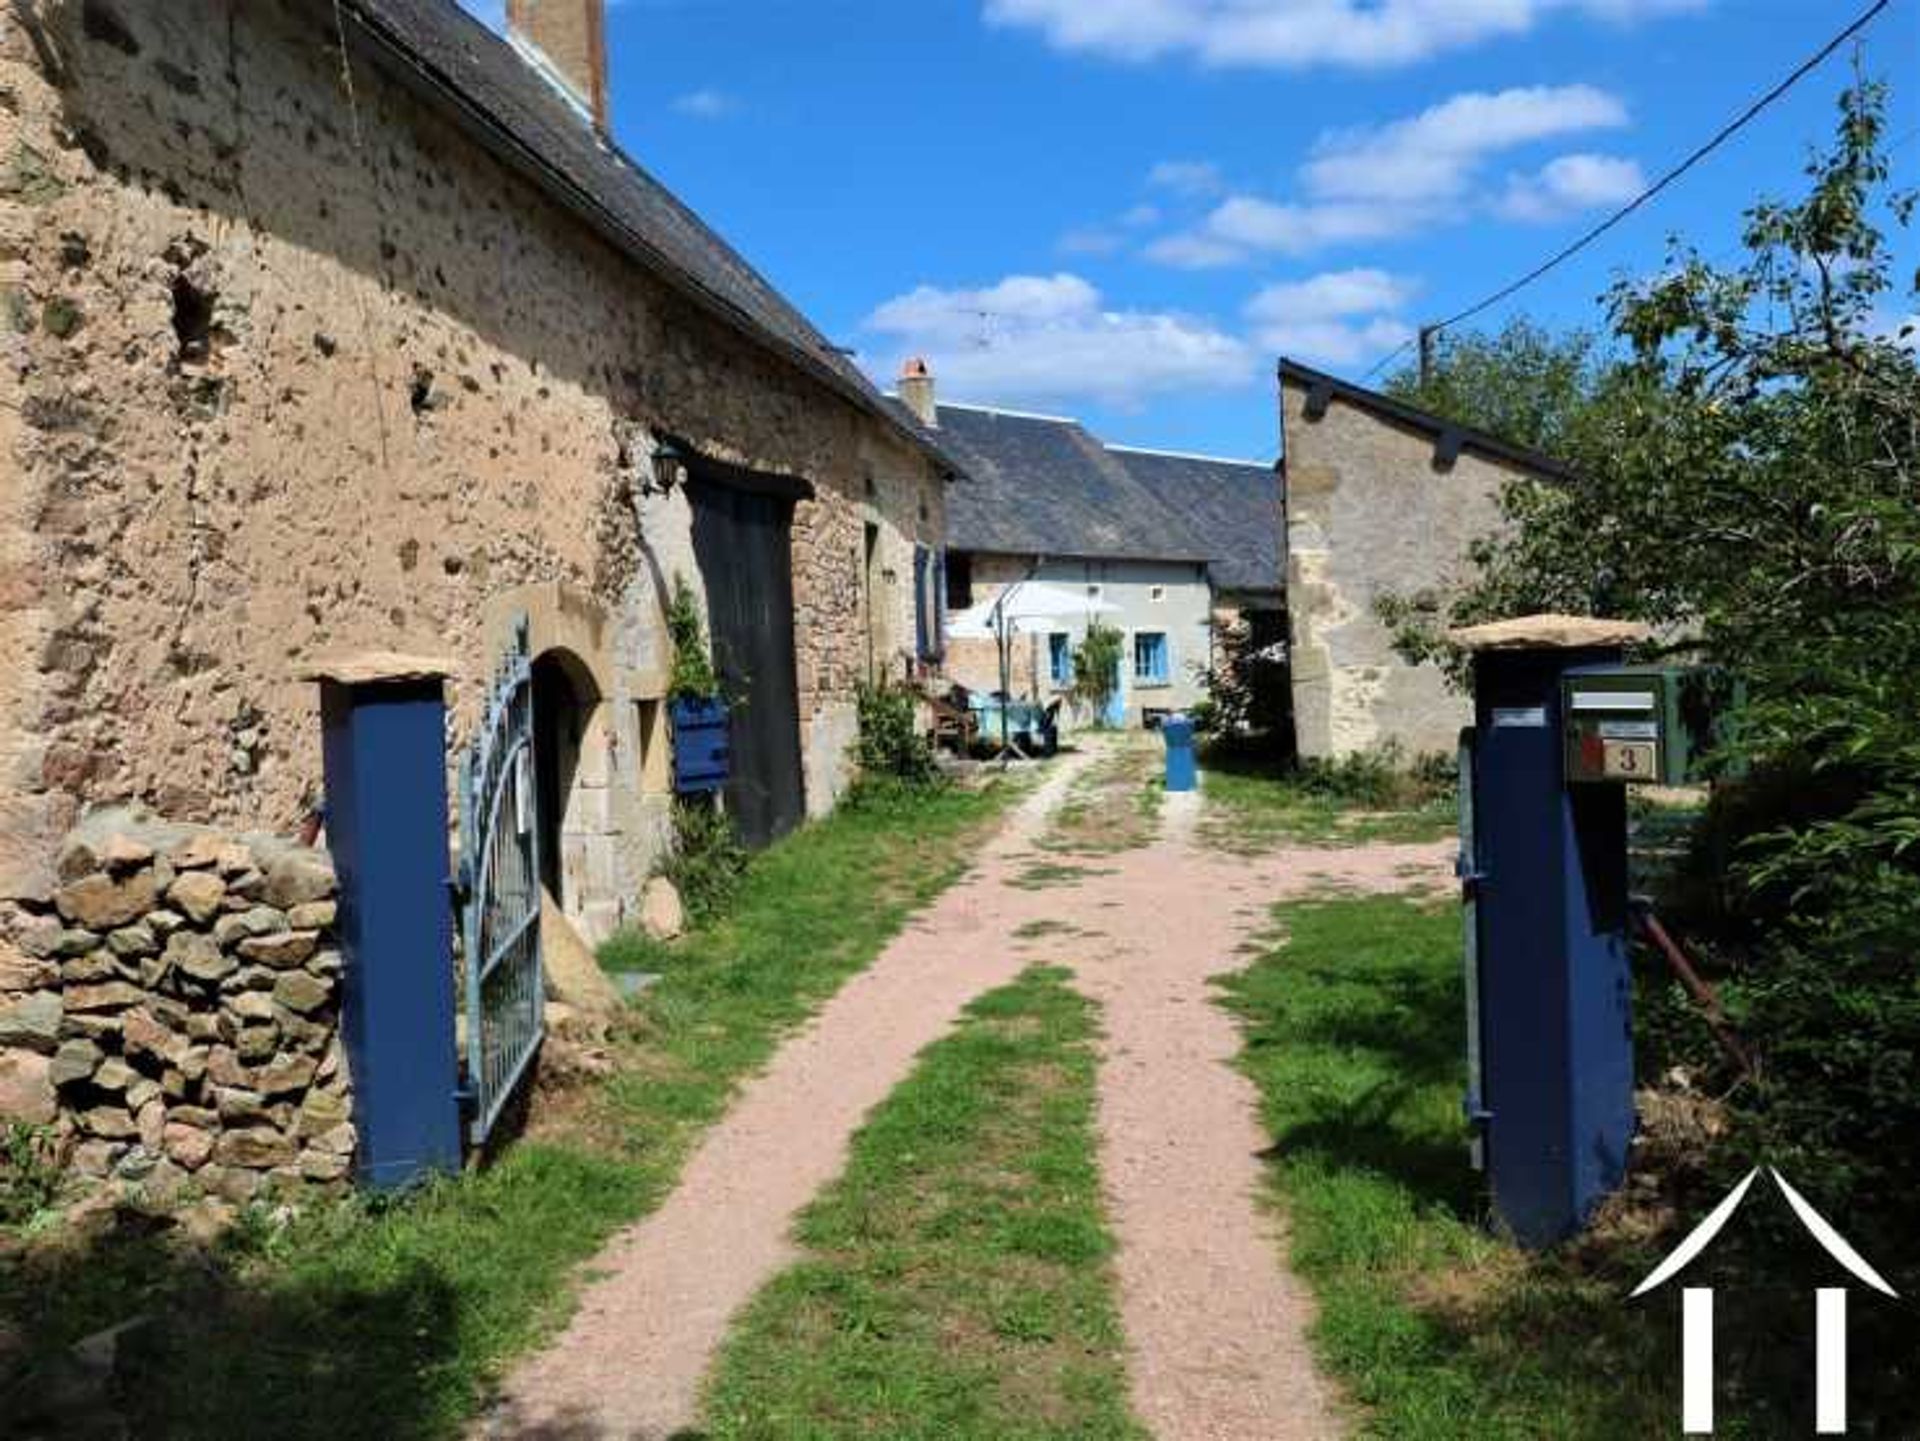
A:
[1548,879]
[383,720]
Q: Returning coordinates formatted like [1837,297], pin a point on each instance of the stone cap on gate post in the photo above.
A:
[1549,632]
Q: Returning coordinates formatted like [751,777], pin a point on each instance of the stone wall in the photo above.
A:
[294,367]
[1369,514]
[173,1013]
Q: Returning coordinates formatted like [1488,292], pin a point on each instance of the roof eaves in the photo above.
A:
[417,73]
[1450,436]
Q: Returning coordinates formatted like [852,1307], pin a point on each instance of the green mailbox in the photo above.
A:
[1643,725]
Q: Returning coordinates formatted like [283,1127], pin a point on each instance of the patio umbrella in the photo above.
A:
[1025,606]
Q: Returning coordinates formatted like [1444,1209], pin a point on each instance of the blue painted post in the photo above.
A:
[383,722]
[1549,878]
[1183,771]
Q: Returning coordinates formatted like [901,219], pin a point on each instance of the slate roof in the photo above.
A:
[1043,485]
[439,51]
[1233,505]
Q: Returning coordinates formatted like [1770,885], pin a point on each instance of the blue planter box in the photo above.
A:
[702,750]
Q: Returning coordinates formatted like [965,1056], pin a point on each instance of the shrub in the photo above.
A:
[891,743]
[692,676]
[1096,668]
[1381,778]
[708,860]
[29,1172]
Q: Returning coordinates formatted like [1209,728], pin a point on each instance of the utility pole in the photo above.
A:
[1427,334]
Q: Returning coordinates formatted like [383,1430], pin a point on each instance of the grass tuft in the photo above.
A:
[959,1282]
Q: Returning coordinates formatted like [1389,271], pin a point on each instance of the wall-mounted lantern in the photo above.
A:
[669,469]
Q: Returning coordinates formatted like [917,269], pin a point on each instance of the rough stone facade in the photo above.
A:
[1369,513]
[172,1017]
[293,366]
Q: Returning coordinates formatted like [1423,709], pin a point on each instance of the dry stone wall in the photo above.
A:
[173,1014]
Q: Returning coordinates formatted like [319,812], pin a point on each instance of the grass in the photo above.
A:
[1352,1029]
[388,1319]
[1254,806]
[958,1284]
[1113,805]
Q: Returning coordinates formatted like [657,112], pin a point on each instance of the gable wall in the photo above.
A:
[1368,515]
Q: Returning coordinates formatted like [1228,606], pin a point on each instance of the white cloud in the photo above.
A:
[705,104]
[1570,184]
[1187,177]
[1434,154]
[1033,339]
[1295,33]
[1089,240]
[1383,181]
[1341,317]
[1141,215]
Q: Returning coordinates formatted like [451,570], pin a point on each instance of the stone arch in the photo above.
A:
[577,745]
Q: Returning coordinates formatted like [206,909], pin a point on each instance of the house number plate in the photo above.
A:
[1627,760]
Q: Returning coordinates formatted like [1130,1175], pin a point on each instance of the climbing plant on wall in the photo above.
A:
[1096,667]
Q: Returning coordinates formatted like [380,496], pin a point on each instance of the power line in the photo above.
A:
[1720,137]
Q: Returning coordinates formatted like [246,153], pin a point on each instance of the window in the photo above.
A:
[1157,592]
[1060,659]
[1150,657]
[1094,591]
[959,580]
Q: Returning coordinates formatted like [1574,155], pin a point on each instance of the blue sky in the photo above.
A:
[1123,210]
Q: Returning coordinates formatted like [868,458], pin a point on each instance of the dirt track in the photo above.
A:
[1216,1326]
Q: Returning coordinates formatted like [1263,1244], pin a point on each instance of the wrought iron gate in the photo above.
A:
[500,871]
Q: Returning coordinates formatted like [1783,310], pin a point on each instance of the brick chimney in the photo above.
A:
[915,388]
[569,38]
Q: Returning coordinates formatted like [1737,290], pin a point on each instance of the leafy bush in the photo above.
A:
[1248,694]
[692,676]
[891,742]
[1381,778]
[708,860]
[1096,668]
[29,1172]
[1750,459]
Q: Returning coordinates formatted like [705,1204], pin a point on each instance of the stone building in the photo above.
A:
[332,327]
[1382,499]
[1168,543]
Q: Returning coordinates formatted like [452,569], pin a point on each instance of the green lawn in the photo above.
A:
[959,1284]
[1353,1034]
[1252,808]
[373,1320]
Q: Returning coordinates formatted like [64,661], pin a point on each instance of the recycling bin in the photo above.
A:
[1183,771]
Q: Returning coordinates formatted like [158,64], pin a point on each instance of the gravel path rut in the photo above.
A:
[1216,1326]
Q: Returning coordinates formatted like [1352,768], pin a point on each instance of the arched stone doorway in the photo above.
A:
[599,751]
[566,703]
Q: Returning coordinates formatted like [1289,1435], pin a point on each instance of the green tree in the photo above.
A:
[1749,482]
[1096,667]
[1525,384]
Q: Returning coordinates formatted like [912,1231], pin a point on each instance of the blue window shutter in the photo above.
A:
[939,647]
[920,601]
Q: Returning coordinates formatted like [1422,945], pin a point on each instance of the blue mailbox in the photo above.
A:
[1183,771]
[1543,868]
[702,746]
[383,720]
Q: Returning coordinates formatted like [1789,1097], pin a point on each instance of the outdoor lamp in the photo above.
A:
[669,469]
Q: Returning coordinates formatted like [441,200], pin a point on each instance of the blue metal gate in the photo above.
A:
[500,869]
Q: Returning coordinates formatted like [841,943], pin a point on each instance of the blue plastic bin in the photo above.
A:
[1183,771]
